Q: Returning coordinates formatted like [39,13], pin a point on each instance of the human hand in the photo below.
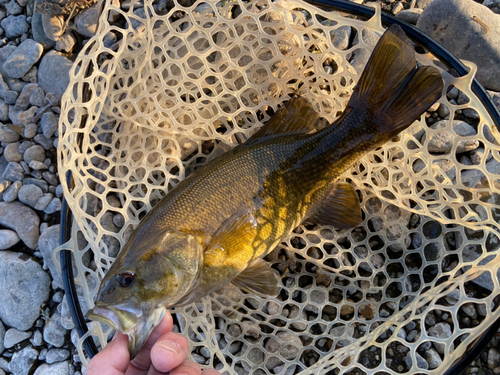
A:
[164,352]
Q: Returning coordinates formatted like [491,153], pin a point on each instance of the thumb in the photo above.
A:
[114,359]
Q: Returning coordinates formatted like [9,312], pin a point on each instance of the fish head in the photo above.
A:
[150,274]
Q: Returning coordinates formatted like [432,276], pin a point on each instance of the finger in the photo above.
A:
[169,352]
[142,361]
[210,371]
[186,368]
[113,359]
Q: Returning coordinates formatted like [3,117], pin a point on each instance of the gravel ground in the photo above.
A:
[36,52]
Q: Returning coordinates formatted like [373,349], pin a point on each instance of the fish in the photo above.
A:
[215,226]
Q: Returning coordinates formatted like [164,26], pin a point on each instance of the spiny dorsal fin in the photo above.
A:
[257,278]
[297,116]
[341,208]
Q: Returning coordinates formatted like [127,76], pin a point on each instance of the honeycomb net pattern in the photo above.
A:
[185,82]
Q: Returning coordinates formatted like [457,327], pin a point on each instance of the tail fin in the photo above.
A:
[392,89]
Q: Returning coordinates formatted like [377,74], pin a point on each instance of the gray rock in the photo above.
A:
[53,331]
[43,202]
[441,330]
[119,220]
[6,51]
[60,368]
[30,131]
[398,7]
[2,334]
[443,111]
[37,339]
[4,185]
[433,359]
[49,123]
[4,87]
[493,358]
[109,39]
[66,318]
[11,152]
[23,100]
[40,183]
[25,145]
[37,165]
[35,152]
[53,73]
[23,220]
[14,336]
[53,26]
[54,206]
[13,172]
[444,20]
[51,178]
[495,96]
[477,156]
[474,178]
[43,141]
[8,238]
[422,4]
[37,98]
[442,142]
[10,195]
[289,349]
[37,30]
[410,15]
[60,193]
[15,26]
[421,362]
[360,56]
[341,37]
[57,355]
[4,110]
[30,194]
[86,21]
[23,58]
[67,42]
[26,117]
[12,7]
[48,242]
[4,364]
[22,361]
[24,287]
[7,135]
[11,96]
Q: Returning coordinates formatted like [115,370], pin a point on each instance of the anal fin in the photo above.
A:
[341,208]
[257,278]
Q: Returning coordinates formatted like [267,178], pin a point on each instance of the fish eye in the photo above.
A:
[125,278]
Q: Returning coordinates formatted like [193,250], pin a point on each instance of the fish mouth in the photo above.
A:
[118,319]
[138,327]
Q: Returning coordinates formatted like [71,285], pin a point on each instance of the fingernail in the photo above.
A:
[170,346]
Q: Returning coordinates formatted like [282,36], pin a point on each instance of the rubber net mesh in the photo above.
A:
[182,83]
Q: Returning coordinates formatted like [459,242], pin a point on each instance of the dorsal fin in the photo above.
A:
[297,116]
[341,208]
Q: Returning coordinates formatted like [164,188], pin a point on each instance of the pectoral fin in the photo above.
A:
[232,237]
[257,278]
[341,208]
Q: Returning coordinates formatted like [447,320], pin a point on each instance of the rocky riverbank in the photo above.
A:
[36,52]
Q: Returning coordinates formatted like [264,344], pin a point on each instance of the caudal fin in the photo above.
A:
[392,89]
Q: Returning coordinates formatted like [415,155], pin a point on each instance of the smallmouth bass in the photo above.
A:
[215,226]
